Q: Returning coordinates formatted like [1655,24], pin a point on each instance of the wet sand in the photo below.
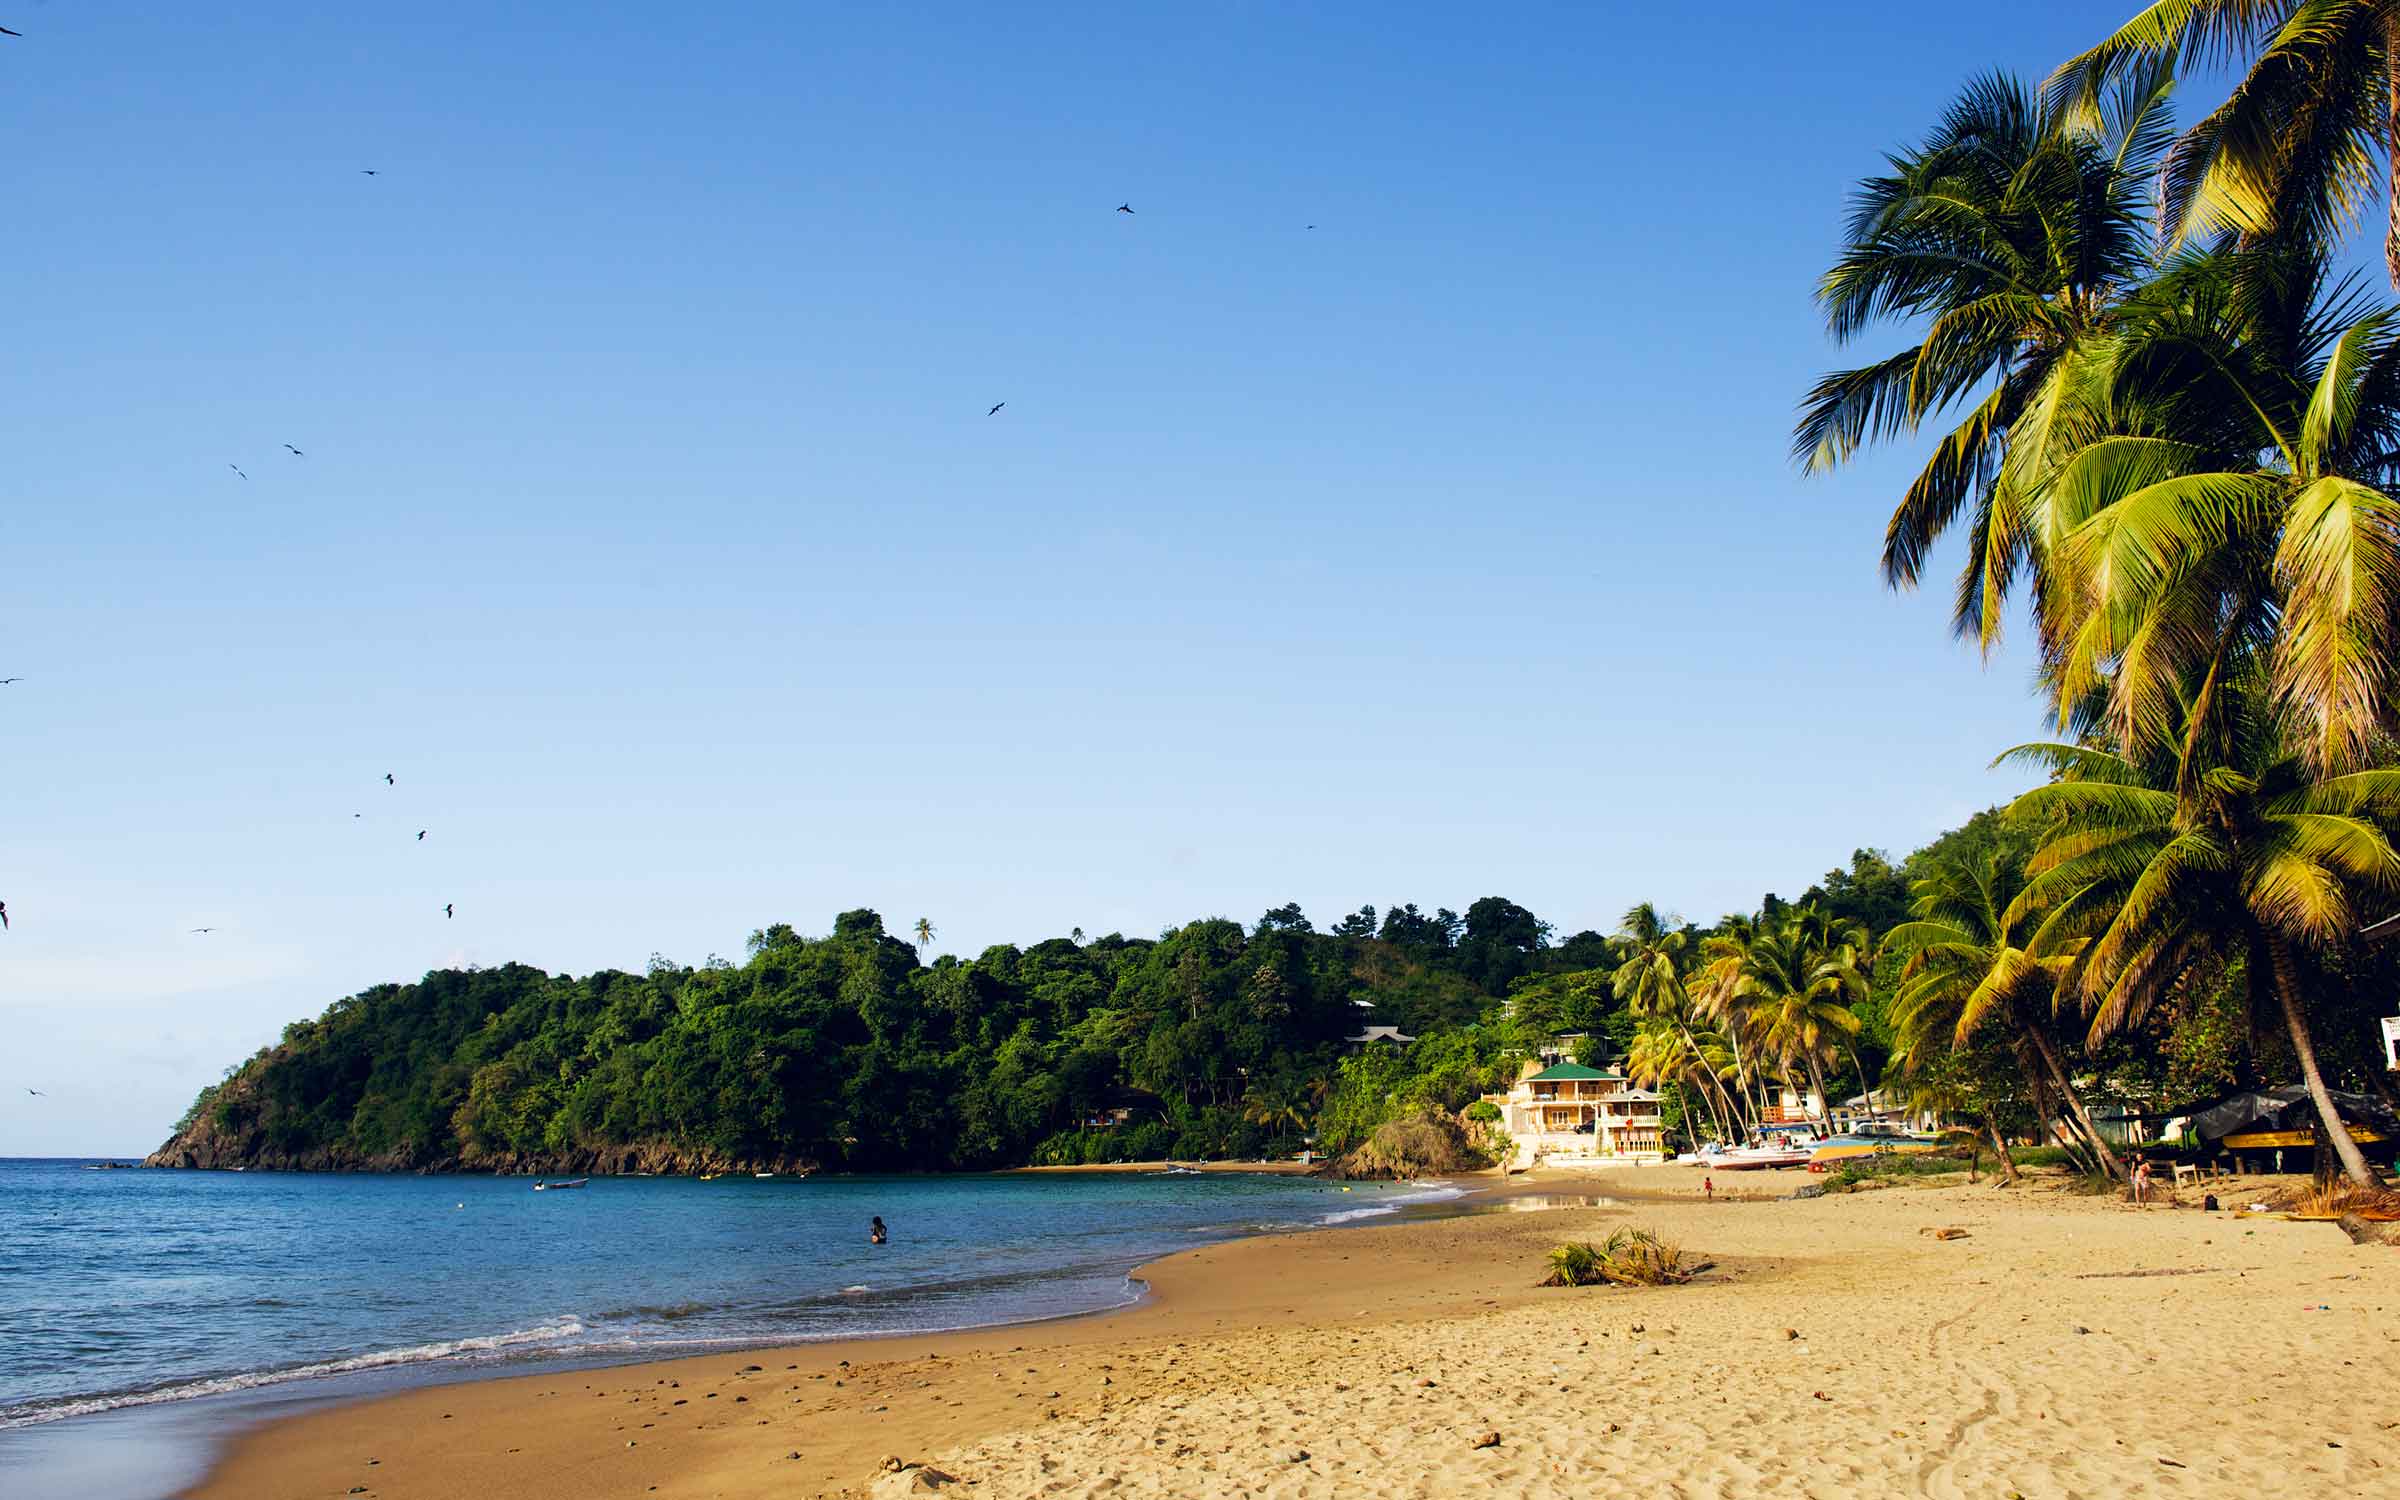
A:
[2064,1346]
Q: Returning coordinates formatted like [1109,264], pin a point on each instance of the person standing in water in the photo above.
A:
[876,1233]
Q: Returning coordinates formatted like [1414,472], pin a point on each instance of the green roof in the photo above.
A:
[1570,1073]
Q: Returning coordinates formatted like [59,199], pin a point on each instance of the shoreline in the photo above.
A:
[1836,1350]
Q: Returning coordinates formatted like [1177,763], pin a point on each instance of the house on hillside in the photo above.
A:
[1568,1112]
[1378,1036]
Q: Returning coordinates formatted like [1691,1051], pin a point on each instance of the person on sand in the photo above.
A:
[1708,1185]
[876,1233]
[2141,1180]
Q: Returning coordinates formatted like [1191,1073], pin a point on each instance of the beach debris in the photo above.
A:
[1488,1440]
[1945,1233]
[1296,1456]
[2172,1464]
[1820,1395]
[1791,1333]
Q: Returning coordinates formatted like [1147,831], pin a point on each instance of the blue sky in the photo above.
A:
[651,531]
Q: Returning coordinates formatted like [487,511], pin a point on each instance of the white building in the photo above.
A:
[1568,1112]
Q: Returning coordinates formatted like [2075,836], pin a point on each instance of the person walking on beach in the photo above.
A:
[876,1233]
[1708,1185]
[2141,1180]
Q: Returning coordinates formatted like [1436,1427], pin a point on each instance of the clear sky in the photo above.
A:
[652,534]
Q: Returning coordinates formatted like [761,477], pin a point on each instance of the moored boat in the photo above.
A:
[546,1187]
[1774,1153]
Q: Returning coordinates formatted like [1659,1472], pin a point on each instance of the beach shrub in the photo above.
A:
[1628,1257]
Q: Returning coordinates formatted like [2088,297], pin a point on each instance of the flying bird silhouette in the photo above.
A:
[204,929]
[1124,208]
[366,172]
[237,468]
[420,835]
[37,1093]
[4,31]
[296,453]
[995,408]
[3,916]
[446,910]
[387,779]
[5,681]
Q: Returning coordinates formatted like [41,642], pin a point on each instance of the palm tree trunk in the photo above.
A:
[2008,1165]
[1816,1079]
[2287,991]
[2066,1090]
[2391,142]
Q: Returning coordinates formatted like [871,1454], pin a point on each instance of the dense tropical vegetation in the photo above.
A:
[2177,432]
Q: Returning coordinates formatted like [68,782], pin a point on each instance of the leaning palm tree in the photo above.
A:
[1275,1107]
[1714,986]
[2294,151]
[2002,241]
[2255,848]
[1977,958]
[1665,1051]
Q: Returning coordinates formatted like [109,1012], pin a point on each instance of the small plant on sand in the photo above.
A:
[1629,1257]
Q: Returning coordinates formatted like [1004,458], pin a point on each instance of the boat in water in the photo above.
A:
[551,1187]
[1868,1140]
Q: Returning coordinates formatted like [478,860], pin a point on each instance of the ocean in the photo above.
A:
[143,1313]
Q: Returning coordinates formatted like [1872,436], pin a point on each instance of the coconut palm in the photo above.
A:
[2293,152]
[1714,986]
[1650,982]
[924,934]
[2006,237]
[2253,848]
[1275,1107]
[1797,992]
[1977,958]
[1666,1051]
[2237,503]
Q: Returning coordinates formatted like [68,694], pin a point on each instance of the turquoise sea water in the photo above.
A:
[139,1309]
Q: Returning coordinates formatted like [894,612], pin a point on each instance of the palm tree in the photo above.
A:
[1796,990]
[2007,236]
[2292,153]
[1275,1107]
[924,935]
[2236,502]
[1665,1051]
[1977,954]
[1714,986]
[2254,847]
[1650,979]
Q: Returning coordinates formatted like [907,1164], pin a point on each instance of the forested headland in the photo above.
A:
[1215,1039]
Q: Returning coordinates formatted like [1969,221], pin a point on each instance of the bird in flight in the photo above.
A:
[5,681]
[3,916]
[204,929]
[296,453]
[420,835]
[37,1093]
[447,911]
[237,468]
[995,411]
[4,31]
[387,779]
[366,172]
[1124,208]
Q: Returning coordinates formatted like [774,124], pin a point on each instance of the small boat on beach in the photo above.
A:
[551,1187]
[1868,1140]
[1775,1153]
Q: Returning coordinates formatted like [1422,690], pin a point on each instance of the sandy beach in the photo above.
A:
[2064,1346]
